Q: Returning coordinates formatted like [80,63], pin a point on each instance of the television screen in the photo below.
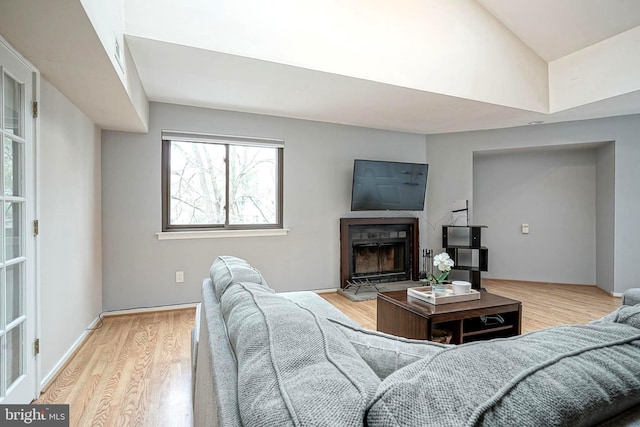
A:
[382,185]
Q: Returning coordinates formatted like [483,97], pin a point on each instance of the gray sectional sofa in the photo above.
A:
[268,359]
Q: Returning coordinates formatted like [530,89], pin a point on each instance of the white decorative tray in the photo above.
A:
[425,293]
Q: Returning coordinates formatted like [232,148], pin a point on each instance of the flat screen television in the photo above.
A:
[382,185]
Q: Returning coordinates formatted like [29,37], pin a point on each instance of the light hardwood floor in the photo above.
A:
[543,304]
[136,369]
[133,371]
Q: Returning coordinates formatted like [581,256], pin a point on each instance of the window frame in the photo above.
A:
[227,141]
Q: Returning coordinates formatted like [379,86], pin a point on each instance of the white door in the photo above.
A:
[18,383]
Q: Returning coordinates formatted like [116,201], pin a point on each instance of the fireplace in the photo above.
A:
[377,250]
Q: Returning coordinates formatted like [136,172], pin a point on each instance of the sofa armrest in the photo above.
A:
[195,337]
[215,398]
[631,297]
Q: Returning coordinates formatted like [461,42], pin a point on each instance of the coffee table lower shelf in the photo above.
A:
[416,319]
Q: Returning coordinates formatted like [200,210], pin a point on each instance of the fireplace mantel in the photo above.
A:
[348,225]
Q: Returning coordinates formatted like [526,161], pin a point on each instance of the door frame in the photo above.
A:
[35,171]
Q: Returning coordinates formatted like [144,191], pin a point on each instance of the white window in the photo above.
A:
[220,181]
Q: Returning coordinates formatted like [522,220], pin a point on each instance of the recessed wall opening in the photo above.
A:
[565,196]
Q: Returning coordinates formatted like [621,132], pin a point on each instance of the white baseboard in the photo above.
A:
[617,294]
[67,356]
[149,309]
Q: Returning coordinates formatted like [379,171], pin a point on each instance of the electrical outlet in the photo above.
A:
[179,276]
[525,228]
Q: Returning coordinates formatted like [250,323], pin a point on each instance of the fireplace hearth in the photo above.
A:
[378,250]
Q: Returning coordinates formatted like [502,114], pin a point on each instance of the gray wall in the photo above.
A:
[139,270]
[70,227]
[554,192]
[605,216]
[451,160]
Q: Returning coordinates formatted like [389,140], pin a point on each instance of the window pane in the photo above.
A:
[253,174]
[13,229]
[12,106]
[12,157]
[197,183]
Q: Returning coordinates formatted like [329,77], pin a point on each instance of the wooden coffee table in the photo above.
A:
[412,318]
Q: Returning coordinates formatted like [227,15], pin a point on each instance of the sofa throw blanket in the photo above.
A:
[568,375]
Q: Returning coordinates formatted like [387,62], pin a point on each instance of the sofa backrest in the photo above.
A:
[227,270]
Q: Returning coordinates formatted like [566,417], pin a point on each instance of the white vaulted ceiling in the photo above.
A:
[426,66]
[557,28]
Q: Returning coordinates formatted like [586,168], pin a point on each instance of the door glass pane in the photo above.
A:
[3,306]
[12,157]
[2,382]
[15,364]
[15,292]
[13,229]
[12,106]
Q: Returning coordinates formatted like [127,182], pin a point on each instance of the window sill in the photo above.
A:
[221,234]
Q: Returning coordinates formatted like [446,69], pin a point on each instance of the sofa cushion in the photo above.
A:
[631,297]
[626,314]
[568,375]
[294,367]
[386,353]
[629,315]
[226,270]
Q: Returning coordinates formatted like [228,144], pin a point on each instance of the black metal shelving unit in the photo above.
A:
[463,243]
